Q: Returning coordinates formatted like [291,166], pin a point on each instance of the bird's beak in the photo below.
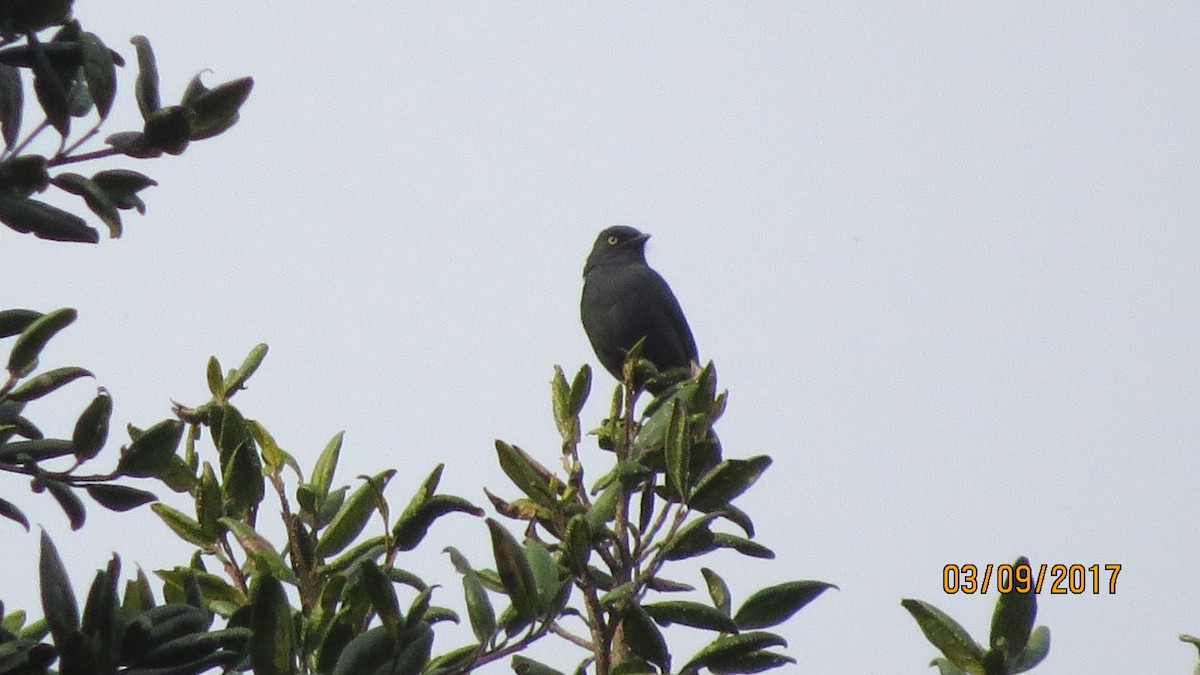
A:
[642,237]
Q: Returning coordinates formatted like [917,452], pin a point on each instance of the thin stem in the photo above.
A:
[95,154]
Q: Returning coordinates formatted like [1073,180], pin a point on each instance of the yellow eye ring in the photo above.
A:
[613,239]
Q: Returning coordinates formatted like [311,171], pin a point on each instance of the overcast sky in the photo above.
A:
[943,255]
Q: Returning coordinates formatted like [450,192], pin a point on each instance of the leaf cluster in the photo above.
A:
[24,450]
[73,77]
[1014,645]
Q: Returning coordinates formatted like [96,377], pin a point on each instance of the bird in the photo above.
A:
[624,301]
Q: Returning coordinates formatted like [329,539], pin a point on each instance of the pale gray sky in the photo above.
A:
[944,256]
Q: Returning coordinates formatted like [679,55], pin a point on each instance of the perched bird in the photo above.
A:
[624,301]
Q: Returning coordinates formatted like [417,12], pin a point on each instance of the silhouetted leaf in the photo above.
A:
[91,429]
[122,186]
[151,452]
[94,196]
[169,129]
[58,600]
[12,102]
[216,109]
[45,221]
[119,497]
[68,501]
[147,80]
[100,72]
[10,511]
[410,532]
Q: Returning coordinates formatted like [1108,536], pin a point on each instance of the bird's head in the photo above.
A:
[617,245]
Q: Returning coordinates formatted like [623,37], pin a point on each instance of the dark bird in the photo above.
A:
[624,301]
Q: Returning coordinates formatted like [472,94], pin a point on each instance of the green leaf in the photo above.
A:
[19,452]
[727,648]
[150,453]
[353,516]
[58,600]
[523,665]
[741,545]
[216,109]
[243,485]
[412,527]
[1012,619]
[15,321]
[479,606]
[718,591]
[91,429]
[752,662]
[272,651]
[33,339]
[119,497]
[237,379]
[210,507]
[726,481]
[580,387]
[515,572]
[1036,650]
[695,538]
[214,378]
[773,605]
[644,638]
[100,72]
[947,635]
[692,614]
[275,457]
[677,452]
[266,558]
[382,595]
[527,474]
[576,545]
[147,79]
[545,574]
[12,103]
[368,652]
[39,386]
[322,475]
[183,526]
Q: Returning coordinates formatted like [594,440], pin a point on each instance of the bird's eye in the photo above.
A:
[612,240]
